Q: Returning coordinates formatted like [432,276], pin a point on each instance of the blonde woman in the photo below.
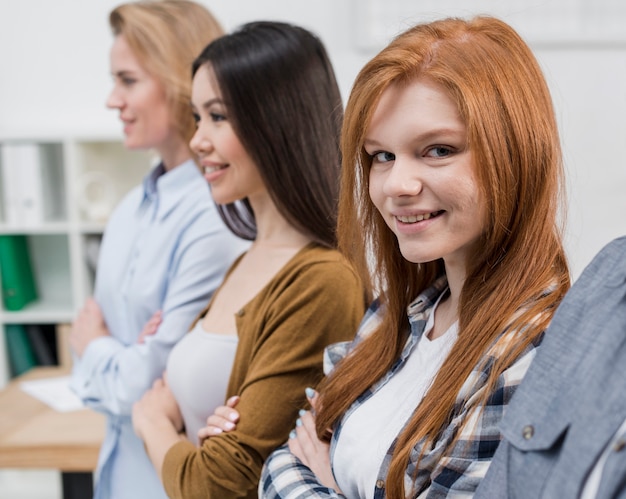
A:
[165,249]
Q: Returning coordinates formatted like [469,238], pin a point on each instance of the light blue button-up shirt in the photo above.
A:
[164,248]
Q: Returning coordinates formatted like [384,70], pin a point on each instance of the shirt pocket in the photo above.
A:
[542,435]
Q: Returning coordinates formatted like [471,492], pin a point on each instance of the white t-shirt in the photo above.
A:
[367,434]
[198,370]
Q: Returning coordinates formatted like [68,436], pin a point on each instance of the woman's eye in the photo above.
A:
[196,118]
[217,117]
[128,81]
[384,157]
[439,152]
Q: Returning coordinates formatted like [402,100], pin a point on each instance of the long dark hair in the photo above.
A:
[284,104]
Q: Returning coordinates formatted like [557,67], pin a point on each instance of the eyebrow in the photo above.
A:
[123,72]
[209,103]
[430,135]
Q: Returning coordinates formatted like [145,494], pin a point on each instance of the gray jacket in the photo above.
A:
[573,398]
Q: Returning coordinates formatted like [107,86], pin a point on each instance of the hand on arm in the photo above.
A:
[88,326]
[308,448]
[151,326]
[157,421]
[223,420]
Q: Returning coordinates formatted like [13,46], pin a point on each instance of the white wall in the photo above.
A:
[54,76]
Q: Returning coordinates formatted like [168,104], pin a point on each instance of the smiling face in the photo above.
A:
[141,101]
[226,164]
[421,179]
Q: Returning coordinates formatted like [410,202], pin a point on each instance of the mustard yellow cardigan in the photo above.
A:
[315,300]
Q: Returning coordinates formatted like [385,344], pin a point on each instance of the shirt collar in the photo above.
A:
[427,298]
[167,188]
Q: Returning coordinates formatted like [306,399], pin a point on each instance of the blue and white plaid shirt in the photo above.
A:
[444,471]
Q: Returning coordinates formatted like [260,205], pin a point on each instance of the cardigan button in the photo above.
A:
[527,432]
[620,445]
[380,484]
[240,313]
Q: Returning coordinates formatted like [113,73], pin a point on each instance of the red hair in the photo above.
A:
[503,99]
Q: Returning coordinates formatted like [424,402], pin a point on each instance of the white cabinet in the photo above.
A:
[58,193]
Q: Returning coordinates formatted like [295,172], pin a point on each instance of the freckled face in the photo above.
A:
[227,166]
[422,178]
[140,99]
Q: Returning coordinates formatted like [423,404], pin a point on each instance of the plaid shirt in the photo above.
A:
[444,471]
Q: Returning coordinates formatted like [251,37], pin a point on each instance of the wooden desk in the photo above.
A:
[33,435]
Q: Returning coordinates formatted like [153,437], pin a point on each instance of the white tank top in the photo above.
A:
[198,370]
[370,430]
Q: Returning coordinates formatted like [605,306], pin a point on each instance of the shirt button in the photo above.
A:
[380,484]
[527,432]
[619,445]
[240,313]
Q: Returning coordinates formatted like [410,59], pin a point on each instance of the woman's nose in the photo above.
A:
[114,101]
[200,143]
[403,179]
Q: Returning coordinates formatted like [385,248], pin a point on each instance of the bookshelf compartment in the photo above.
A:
[32,180]
[105,172]
[50,265]
[30,345]
[76,181]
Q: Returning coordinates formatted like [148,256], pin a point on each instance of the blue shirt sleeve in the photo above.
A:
[169,254]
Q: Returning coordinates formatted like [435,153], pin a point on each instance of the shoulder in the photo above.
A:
[314,254]
[129,203]
[607,269]
[615,251]
[197,196]
[369,323]
[322,266]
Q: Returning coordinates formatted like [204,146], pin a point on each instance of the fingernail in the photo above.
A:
[229,425]
[232,416]
[309,392]
[301,412]
[298,422]
[217,431]
[292,434]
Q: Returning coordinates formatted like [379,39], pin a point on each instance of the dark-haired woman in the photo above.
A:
[269,113]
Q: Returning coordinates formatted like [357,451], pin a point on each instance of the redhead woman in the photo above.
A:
[451,178]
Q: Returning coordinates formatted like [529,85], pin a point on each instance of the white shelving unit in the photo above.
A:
[83,177]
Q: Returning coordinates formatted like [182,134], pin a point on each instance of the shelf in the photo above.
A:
[73,181]
[42,312]
[42,229]
[91,228]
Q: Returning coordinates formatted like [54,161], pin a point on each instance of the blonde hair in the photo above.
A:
[166,36]
[503,99]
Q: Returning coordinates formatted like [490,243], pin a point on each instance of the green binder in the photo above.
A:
[18,282]
[20,351]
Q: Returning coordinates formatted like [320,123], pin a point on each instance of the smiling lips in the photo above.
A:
[211,169]
[411,219]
